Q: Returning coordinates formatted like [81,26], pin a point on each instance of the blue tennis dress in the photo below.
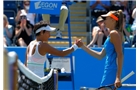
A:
[110,69]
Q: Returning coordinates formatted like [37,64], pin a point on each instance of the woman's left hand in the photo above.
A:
[79,42]
[24,23]
[6,26]
[102,27]
[118,83]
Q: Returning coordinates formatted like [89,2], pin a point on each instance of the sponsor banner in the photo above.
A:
[45,7]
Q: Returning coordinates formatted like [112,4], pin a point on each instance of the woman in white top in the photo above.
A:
[37,49]
[30,16]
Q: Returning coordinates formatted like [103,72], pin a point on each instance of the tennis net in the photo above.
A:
[27,80]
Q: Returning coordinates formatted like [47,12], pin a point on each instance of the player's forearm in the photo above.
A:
[92,52]
[66,52]
[119,63]
[69,50]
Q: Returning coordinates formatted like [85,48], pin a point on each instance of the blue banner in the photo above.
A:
[45,7]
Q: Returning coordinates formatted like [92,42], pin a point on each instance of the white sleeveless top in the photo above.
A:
[36,61]
[30,16]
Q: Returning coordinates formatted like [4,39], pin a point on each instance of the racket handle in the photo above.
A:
[83,88]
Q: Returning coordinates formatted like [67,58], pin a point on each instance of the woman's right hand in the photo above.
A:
[117,83]
[79,43]
[21,24]
[102,26]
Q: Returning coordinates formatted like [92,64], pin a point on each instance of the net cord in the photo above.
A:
[28,73]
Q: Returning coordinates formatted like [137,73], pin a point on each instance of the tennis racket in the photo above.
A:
[111,86]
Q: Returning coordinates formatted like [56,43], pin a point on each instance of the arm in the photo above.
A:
[106,31]
[18,16]
[118,48]
[124,29]
[94,5]
[18,31]
[126,32]
[28,31]
[49,49]
[105,6]
[98,55]
[8,32]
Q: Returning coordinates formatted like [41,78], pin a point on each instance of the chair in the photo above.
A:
[11,16]
[10,5]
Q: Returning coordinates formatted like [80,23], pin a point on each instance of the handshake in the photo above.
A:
[78,43]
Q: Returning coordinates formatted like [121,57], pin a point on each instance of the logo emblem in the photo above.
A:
[45,5]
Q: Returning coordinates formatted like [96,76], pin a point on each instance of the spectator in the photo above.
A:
[23,31]
[62,19]
[127,42]
[99,7]
[132,6]
[133,27]
[99,33]
[123,5]
[118,4]
[30,16]
[8,32]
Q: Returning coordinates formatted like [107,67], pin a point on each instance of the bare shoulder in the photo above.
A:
[44,46]
[32,42]
[115,36]
[114,33]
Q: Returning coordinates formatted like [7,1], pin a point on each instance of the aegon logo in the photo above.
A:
[45,5]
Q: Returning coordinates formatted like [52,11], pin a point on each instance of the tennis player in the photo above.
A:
[113,49]
[37,49]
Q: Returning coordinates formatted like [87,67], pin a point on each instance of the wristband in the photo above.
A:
[75,47]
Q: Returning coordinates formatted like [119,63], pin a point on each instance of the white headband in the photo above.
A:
[47,28]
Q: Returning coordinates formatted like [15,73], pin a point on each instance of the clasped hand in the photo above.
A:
[23,25]
[78,42]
